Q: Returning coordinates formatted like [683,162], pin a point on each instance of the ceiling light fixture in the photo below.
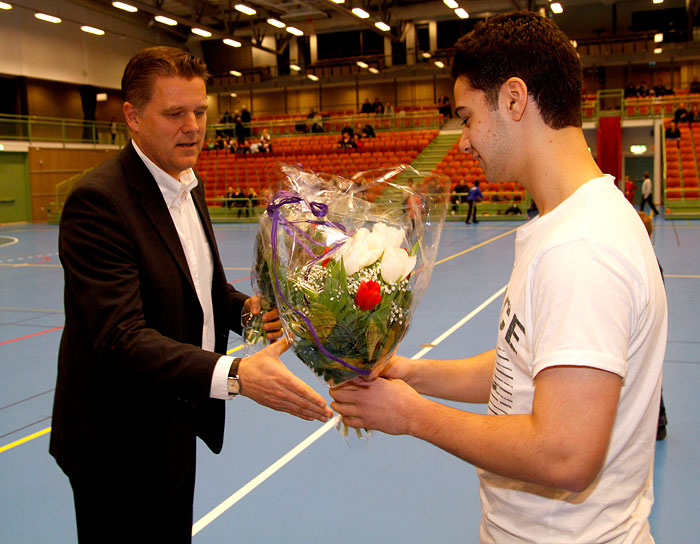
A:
[657,50]
[426,55]
[658,37]
[165,20]
[556,7]
[295,67]
[439,64]
[294,30]
[125,7]
[47,18]
[201,32]
[362,64]
[657,1]
[245,9]
[338,1]
[235,73]
[233,95]
[4,5]
[361,13]
[312,77]
[451,4]
[461,13]
[232,43]
[382,26]
[373,70]
[275,22]
[92,30]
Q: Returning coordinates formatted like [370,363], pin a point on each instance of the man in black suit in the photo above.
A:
[148,310]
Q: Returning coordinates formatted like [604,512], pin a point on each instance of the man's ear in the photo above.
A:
[514,95]
[131,116]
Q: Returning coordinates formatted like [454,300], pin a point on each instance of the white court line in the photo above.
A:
[12,241]
[291,454]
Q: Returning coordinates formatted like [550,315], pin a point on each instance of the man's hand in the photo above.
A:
[271,320]
[265,379]
[382,404]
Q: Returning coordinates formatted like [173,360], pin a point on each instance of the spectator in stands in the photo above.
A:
[219,142]
[643,89]
[681,114]
[473,196]
[113,129]
[240,132]
[459,195]
[647,196]
[367,106]
[673,132]
[346,141]
[630,90]
[693,115]
[227,121]
[368,131]
[377,106]
[347,130]
[389,109]
[660,89]
[317,123]
[246,119]
[695,86]
[445,106]
[229,195]
[266,141]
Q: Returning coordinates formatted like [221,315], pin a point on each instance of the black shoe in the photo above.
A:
[467,222]
[661,432]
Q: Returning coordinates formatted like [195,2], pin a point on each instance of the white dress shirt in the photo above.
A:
[178,199]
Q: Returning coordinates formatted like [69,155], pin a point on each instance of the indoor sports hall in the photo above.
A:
[336,87]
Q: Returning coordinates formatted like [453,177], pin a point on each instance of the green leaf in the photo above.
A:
[373,336]
[323,320]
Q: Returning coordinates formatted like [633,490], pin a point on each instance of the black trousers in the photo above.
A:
[136,505]
[471,214]
[650,200]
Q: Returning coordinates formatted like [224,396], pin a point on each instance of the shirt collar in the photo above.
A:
[170,187]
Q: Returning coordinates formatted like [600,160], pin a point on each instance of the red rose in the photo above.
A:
[368,295]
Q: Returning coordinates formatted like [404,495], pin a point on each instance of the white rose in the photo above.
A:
[384,236]
[357,253]
[396,264]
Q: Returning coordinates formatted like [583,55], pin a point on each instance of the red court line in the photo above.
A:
[240,279]
[30,335]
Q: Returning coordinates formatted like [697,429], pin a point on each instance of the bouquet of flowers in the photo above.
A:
[349,260]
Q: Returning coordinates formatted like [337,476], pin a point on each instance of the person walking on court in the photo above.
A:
[142,370]
[647,196]
[566,450]
[473,196]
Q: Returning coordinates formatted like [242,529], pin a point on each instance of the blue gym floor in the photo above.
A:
[391,489]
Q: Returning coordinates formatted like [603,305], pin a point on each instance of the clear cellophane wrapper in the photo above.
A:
[348,261]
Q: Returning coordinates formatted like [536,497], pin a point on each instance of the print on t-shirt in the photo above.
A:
[500,400]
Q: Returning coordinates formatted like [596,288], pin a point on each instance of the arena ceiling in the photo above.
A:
[580,19]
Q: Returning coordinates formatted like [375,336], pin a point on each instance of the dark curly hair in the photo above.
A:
[525,45]
[153,62]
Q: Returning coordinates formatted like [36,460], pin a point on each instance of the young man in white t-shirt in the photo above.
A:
[565,453]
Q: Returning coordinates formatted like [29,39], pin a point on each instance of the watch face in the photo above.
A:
[234,385]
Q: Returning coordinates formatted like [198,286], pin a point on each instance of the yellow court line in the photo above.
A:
[691,276]
[24,265]
[25,439]
[477,246]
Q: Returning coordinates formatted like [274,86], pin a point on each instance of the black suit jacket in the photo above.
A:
[133,384]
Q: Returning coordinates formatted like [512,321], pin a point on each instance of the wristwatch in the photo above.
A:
[234,384]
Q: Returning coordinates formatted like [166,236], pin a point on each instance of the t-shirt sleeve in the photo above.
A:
[583,303]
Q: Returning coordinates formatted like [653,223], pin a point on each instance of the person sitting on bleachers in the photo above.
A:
[367,106]
[673,132]
[681,114]
[695,86]
[368,131]
[693,115]
[266,141]
[347,142]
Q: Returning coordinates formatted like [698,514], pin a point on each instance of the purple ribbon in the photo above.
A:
[282,198]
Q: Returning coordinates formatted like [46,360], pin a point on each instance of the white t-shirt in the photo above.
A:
[585,290]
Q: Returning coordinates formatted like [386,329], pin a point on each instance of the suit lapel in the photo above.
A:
[153,205]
